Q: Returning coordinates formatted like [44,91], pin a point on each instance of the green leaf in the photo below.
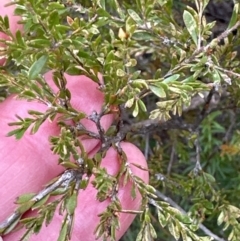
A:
[129,103]
[161,218]
[221,218]
[158,91]
[135,16]
[209,177]
[142,35]
[40,202]
[55,5]
[205,3]
[19,38]
[173,230]
[63,232]
[24,198]
[71,203]
[29,94]
[136,109]
[171,78]
[142,105]
[37,125]
[25,206]
[234,17]
[6,22]
[130,26]
[120,73]
[191,25]
[177,90]
[75,70]
[152,231]
[37,67]
[18,133]
[53,19]
[102,13]
[133,192]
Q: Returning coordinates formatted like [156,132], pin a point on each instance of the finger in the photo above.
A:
[13,23]
[88,209]
[27,164]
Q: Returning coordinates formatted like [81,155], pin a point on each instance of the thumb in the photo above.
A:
[88,208]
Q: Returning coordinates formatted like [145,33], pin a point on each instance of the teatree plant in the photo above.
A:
[175,90]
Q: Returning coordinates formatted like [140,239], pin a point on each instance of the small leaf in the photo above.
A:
[136,110]
[135,16]
[191,25]
[173,230]
[120,73]
[40,202]
[129,103]
[133,192]
[24,198]
[6,22]
[158,91]
[152,231]
[71,203]
[37,67]
[171,78]
[28,94]
[63,232]
[25,207]
[161,218]
[175,90]
[18,133]
[36,125]
[19,38]
[234,17]
[209,177]
[75,70]
[122,34]
[142,105]
[221,218]
[130,26]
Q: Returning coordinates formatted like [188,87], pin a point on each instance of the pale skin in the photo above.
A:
[27,164]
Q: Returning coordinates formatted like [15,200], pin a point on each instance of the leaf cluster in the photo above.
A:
[175,90]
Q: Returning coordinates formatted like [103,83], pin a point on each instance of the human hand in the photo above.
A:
[26,165]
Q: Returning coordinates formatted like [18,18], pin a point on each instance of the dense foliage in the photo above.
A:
[172,78]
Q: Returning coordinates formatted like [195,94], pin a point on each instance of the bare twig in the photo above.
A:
[171,160]
[229,131]
[96,118]
[146,149]
[64,180]
[205,109]
[198,168]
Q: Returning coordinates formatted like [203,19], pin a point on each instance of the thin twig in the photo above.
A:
[172,157]
[198,168]
[175,205]
[203,49]
[146,149]
[96,118]
[64,180]
[205,109]
[229,131]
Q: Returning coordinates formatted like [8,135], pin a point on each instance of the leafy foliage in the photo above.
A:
[173,83]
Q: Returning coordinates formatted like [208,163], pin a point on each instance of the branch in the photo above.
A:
[175,205]
[204,49]
[64,180]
